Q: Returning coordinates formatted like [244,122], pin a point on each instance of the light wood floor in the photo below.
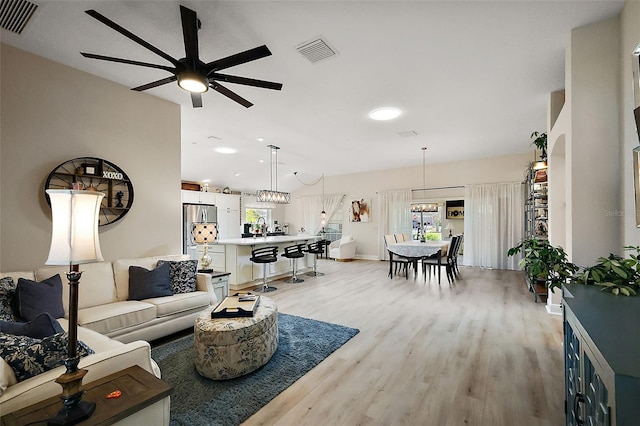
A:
[478,352]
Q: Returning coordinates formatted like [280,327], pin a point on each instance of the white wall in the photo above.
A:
[592,93]
[52,113]
[365,185]
[630,38]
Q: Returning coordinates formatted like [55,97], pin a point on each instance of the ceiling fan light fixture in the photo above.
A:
[193,82]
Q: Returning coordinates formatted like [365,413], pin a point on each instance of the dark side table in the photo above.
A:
[139,390]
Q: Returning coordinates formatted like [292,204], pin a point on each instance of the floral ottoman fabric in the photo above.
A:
[226,348]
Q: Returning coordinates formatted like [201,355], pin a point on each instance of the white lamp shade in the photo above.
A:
[74,239]
[205,232]
[450,226]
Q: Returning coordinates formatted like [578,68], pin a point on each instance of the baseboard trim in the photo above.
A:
[553,308]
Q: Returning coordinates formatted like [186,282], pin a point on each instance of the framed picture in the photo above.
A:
[361,210]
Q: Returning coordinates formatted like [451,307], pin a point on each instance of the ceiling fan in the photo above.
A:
[190,72]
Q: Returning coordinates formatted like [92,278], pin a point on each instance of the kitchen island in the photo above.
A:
[244,273]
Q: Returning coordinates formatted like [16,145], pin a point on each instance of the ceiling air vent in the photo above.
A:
[316,50]
[408,133]
[14,14]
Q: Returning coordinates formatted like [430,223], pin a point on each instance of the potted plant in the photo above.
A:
[544,263]
[615,274]
[540,141]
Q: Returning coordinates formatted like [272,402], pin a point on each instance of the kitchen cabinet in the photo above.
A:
[602,347]
[229,217]
[199,197]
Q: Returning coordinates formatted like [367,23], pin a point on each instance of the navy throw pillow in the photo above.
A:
[44,325]
[35,298]
[146,284]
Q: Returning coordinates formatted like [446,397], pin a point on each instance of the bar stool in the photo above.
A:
[264,255]
[325,247]
[315,249]
[294,253]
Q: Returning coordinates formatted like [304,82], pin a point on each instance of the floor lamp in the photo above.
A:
[74,241]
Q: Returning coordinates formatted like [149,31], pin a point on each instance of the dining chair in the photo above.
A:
[433,260]
[451,254]
[455,254]
[399,262]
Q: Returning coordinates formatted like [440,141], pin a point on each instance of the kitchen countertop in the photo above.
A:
[267,240]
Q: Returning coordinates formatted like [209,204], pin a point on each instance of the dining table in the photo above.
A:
[414,250]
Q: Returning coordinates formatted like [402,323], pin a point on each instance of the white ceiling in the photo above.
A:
[471,77]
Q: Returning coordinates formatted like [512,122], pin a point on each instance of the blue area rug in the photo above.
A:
[303,343]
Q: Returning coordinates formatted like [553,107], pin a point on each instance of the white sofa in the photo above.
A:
[114,327]
[343,249]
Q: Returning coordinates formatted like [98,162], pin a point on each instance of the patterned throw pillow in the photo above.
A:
[7,299]
[183,275]
[29,357]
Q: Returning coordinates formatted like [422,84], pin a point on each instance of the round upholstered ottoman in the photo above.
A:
[226,348]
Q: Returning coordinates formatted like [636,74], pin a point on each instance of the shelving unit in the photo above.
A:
[536,217]
[95,174]
[536,202]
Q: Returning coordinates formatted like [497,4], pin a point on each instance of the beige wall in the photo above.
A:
[51,113]
[366,185]
[593,142]
[630,39]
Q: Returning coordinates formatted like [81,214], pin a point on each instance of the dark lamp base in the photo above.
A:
[73,415]
[205,271]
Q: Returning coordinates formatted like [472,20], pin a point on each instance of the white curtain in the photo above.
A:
[311,207]
[493,223]
[395,216]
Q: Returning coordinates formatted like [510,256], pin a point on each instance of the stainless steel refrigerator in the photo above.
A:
[194,213]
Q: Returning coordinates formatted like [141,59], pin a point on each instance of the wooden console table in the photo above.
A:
[139,390]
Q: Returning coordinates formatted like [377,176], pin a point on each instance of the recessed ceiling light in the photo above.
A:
[385,113]
[206,180]
[260,139]
[262,161]
[237,173]
[225,150]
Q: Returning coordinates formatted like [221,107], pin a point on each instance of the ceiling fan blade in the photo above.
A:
[155,83]
[108,22]
[190,35]
[246,81]
[237,59]
[128,61]
[229,94]
[196,100]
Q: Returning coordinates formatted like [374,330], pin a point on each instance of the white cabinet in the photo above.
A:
[198,197]
[229,218]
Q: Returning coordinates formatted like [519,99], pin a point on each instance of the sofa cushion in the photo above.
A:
[166,306]
[121,270]
[7,376]
[41,326]
[182,274]
[116,316]
[145,284]
[7,299]
[29,357]
[34,298]
[96,284]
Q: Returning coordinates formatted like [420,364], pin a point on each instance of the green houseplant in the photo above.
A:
[544,263]
[540,141]
[616,274]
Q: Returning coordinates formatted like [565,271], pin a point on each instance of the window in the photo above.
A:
[252,215]
[427,220]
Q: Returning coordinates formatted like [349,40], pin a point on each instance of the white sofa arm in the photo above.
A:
[348,249]
[334,244]
[203,283]
[101,364]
